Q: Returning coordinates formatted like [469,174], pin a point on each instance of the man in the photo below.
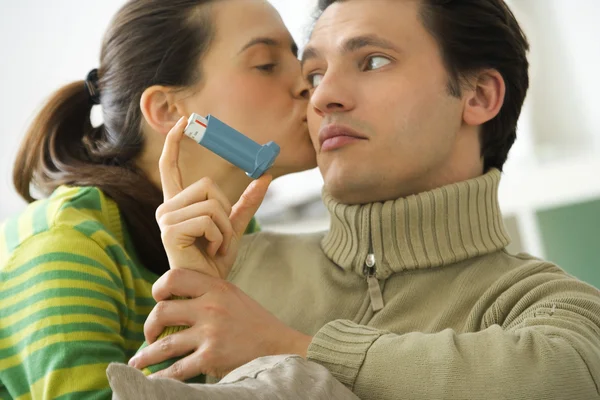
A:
[411,293]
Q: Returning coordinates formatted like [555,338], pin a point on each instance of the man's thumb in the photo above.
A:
[249,202]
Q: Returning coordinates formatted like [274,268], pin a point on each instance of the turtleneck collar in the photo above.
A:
[429,230]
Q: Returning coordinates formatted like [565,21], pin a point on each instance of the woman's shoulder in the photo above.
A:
[69,211]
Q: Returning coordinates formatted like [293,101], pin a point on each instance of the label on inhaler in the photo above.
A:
[196,127]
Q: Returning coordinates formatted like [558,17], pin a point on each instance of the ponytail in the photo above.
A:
[50,144]
[61,147]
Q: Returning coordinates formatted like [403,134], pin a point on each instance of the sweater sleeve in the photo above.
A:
[539,340]
[63,309]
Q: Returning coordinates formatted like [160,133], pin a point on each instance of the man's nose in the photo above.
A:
[333,95]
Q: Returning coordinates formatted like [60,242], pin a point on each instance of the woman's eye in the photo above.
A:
[377,62]
[266,67]
[314,80]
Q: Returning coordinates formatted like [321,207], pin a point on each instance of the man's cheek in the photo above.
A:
[313,130]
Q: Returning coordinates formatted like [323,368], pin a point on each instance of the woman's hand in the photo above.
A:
[201,234]
[200,229]
[227,328]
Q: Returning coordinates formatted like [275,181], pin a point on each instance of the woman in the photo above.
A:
[77,267]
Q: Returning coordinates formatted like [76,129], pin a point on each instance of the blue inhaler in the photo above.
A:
[231,145]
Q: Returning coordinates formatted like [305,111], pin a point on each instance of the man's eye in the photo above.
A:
[314,80]
[376,62]
[266,67]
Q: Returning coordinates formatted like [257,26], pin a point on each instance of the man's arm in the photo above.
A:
[545,344]
[540,339]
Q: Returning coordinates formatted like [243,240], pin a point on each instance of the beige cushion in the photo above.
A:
[287,377]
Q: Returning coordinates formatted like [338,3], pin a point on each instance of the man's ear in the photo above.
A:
[485,98]
[160,109]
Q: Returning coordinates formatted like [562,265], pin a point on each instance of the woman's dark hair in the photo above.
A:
[474,35]
[149,42]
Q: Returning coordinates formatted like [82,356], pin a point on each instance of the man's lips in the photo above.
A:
[334,136]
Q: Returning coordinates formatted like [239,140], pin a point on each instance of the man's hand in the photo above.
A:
[227,328]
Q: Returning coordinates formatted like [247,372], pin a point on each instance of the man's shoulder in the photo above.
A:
[273,268]
[263,251]
[279,243]
[526,264]
[523,273]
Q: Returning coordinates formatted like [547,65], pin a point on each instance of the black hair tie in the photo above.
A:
[91,86]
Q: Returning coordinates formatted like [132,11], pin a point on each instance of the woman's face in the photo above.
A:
[251,80]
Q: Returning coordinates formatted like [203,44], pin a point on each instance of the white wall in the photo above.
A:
[43,45]
[297,16]
[562,102]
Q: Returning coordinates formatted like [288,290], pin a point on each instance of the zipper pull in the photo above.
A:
[370,272]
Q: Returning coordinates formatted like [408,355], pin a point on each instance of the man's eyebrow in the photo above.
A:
[352,45]
[309,53]
[358,42]
[269,42]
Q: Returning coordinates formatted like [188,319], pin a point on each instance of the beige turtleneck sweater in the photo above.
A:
[418,299]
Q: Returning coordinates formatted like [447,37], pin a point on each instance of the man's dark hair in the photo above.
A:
[474,35]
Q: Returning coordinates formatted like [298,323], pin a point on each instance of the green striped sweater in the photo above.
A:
[73,297]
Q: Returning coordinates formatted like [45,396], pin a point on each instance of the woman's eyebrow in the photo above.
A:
[269,41]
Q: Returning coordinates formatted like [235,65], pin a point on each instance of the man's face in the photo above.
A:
[381,118]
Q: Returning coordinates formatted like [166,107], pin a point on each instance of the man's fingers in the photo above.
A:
[175,345]
[187,368]
[164,314]
[168,164]
[246,207]
[182,283]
